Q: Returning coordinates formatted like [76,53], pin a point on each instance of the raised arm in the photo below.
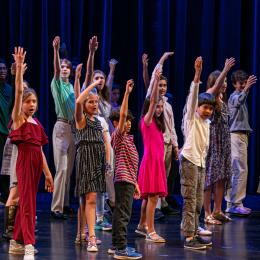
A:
[192,101]
[124,106]
[56,57]
[19,57]
[80,102]
[238,100]
[160,64]
[93,46]
[153,99]
[78,107]
[146,77]
[229,63]
[110,77]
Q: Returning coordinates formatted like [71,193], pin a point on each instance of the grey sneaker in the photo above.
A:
[194,244]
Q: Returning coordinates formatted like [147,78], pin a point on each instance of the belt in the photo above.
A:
[63,120]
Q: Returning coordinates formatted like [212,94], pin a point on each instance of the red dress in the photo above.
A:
[29,138]
[152,174]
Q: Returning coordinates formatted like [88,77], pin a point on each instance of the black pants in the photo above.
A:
[122,213]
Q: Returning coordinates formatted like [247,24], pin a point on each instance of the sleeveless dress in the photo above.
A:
[218,162]
[152,175]
[29,138]
[90,158]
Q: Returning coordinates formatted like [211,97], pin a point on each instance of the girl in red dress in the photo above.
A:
[29,136]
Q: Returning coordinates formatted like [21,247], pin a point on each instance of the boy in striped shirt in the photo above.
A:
[126,187]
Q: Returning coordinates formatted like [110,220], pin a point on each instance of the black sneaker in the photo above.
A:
[203,241]
[58,215]
[158,214]
[194,244]
[170,211]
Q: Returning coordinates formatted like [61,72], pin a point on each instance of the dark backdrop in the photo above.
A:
[125,29]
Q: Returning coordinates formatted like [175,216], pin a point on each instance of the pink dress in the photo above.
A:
[152,175]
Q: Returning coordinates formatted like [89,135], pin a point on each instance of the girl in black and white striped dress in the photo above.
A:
[91,156]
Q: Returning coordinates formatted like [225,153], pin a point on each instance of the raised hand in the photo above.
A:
[93,44]
[112,63]
[145,59]
[158,74]
[129,86]
[166,55]
[78,71]
[250,81]
[56,43]
[19,55]
[198,64]
[229,63]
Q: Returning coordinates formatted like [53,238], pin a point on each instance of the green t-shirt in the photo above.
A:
[6,97]
[64,98]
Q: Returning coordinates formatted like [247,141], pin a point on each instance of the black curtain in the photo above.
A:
[125,29]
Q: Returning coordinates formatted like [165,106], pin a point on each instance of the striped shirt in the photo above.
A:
[126,157]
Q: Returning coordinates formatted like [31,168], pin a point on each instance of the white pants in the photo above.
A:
[64,155]
[237,192]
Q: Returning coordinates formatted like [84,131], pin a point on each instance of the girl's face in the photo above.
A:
[99,76]
[159,108]
[224,87]
[65,70]
[29,105]
[91,105]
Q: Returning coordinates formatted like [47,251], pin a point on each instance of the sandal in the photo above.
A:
[221,217]
[80,239]
[153,237]
[212,221]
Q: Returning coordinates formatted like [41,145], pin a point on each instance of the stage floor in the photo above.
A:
[239,239]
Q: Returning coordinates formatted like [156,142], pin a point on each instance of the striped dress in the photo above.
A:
[90,158]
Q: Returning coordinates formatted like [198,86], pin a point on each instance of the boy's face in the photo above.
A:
[205,111]
[240,85]
[128,125]
[65,70]
[3,71]
[162,87]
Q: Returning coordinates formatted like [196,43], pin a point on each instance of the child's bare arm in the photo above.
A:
[145,70]
[56,57]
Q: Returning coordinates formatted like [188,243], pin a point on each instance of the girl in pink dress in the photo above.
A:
[152,175]
[29,136]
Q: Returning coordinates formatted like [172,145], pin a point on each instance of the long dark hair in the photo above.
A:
[159,120]
[210,83]
[104,92]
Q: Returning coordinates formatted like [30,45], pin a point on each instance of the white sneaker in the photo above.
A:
[92,244]
[29,252]
[15,248]
[203,232]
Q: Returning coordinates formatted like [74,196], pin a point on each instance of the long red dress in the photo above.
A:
[152,174]
[29,138]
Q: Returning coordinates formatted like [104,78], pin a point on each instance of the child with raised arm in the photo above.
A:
[240,130]
[104,110]
[29,136]
[62,138]
[218,162]
[152,175]
[91,157]
[169,136]
[126,187]
[197,112]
